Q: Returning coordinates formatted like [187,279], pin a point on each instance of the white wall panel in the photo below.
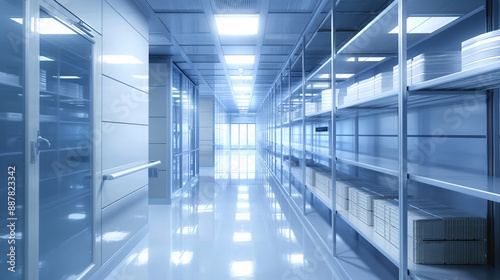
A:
[157,130]
[122,220]
[131,12]
[116,189]
[124,145]
[125,51]
[122,103]
[157,106]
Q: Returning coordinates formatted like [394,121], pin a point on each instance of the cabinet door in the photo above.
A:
[65,144]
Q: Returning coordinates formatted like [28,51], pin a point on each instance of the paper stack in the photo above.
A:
[383,83]
[481,50]
[429,66]
[366,88]
[361,201]
[9,79]
[435,231]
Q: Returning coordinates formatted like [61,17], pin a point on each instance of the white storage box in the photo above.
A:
[366,88]
[481,50]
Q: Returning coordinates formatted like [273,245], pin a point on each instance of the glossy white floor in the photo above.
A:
[237,227]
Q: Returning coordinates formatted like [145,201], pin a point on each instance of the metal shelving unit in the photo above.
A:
[382,136]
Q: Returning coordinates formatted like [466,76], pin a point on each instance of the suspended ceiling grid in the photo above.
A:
[186,30]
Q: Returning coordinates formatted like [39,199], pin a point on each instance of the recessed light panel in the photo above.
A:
[237,24]
[240,59]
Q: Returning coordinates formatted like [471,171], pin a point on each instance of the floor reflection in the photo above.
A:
[235,226]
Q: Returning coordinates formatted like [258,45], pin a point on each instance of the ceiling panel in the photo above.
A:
[276,50]
[199,49]
[182,23]
[362,5]
[178,6]
[204,58]
[192,40]
[270,66]
[211,72]
[208,66]
[158,39]
[273,58]
[238,49]
[280,39]
[236,6]
[239,40]
[286,23]
[292,6]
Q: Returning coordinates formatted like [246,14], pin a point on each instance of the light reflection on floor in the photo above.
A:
[233,227]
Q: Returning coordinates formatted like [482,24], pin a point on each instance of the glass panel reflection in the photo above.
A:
[66,154]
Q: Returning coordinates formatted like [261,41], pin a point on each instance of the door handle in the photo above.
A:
[40,139]
[35,147]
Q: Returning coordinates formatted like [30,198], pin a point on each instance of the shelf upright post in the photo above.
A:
[304,192]
[281,127]
[333,132]
[403,140]
[289,126]
[493,135]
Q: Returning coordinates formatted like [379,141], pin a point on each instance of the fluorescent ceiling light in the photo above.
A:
[242,88]
[243,216]
[241,77]
[44,58]
[325,76]
[321,85]
[67,77]
[142,77]
[121,59]
[343,76]
[51,26]
[351,59]
[424,25]
[240,59]
[237,24]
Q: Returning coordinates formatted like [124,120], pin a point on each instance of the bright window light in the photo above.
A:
[242,237]
[242,88]
[425,25]
[241,77]
[343,76]
[237,24]
[50,26]
[121,59]
[240,59]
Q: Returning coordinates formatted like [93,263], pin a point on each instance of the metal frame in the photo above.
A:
[32,50]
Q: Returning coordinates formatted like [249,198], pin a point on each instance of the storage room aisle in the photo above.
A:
[231,225]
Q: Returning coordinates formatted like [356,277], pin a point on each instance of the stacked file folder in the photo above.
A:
[326,100]
[434,232]
[481,50]
[361,201]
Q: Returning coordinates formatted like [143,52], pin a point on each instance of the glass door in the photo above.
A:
[65,151]
[12,139]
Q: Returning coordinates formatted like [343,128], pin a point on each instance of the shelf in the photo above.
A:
[384,100]
[314,192]
[387,44]
[486,77]
[481,186]
[382,165]
[368,232]
[319,154]
[319,115]
[469,272]
[5,86]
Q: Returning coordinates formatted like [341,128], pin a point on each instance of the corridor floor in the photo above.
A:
[233,224]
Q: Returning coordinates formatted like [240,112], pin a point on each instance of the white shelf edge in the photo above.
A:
[369,166]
